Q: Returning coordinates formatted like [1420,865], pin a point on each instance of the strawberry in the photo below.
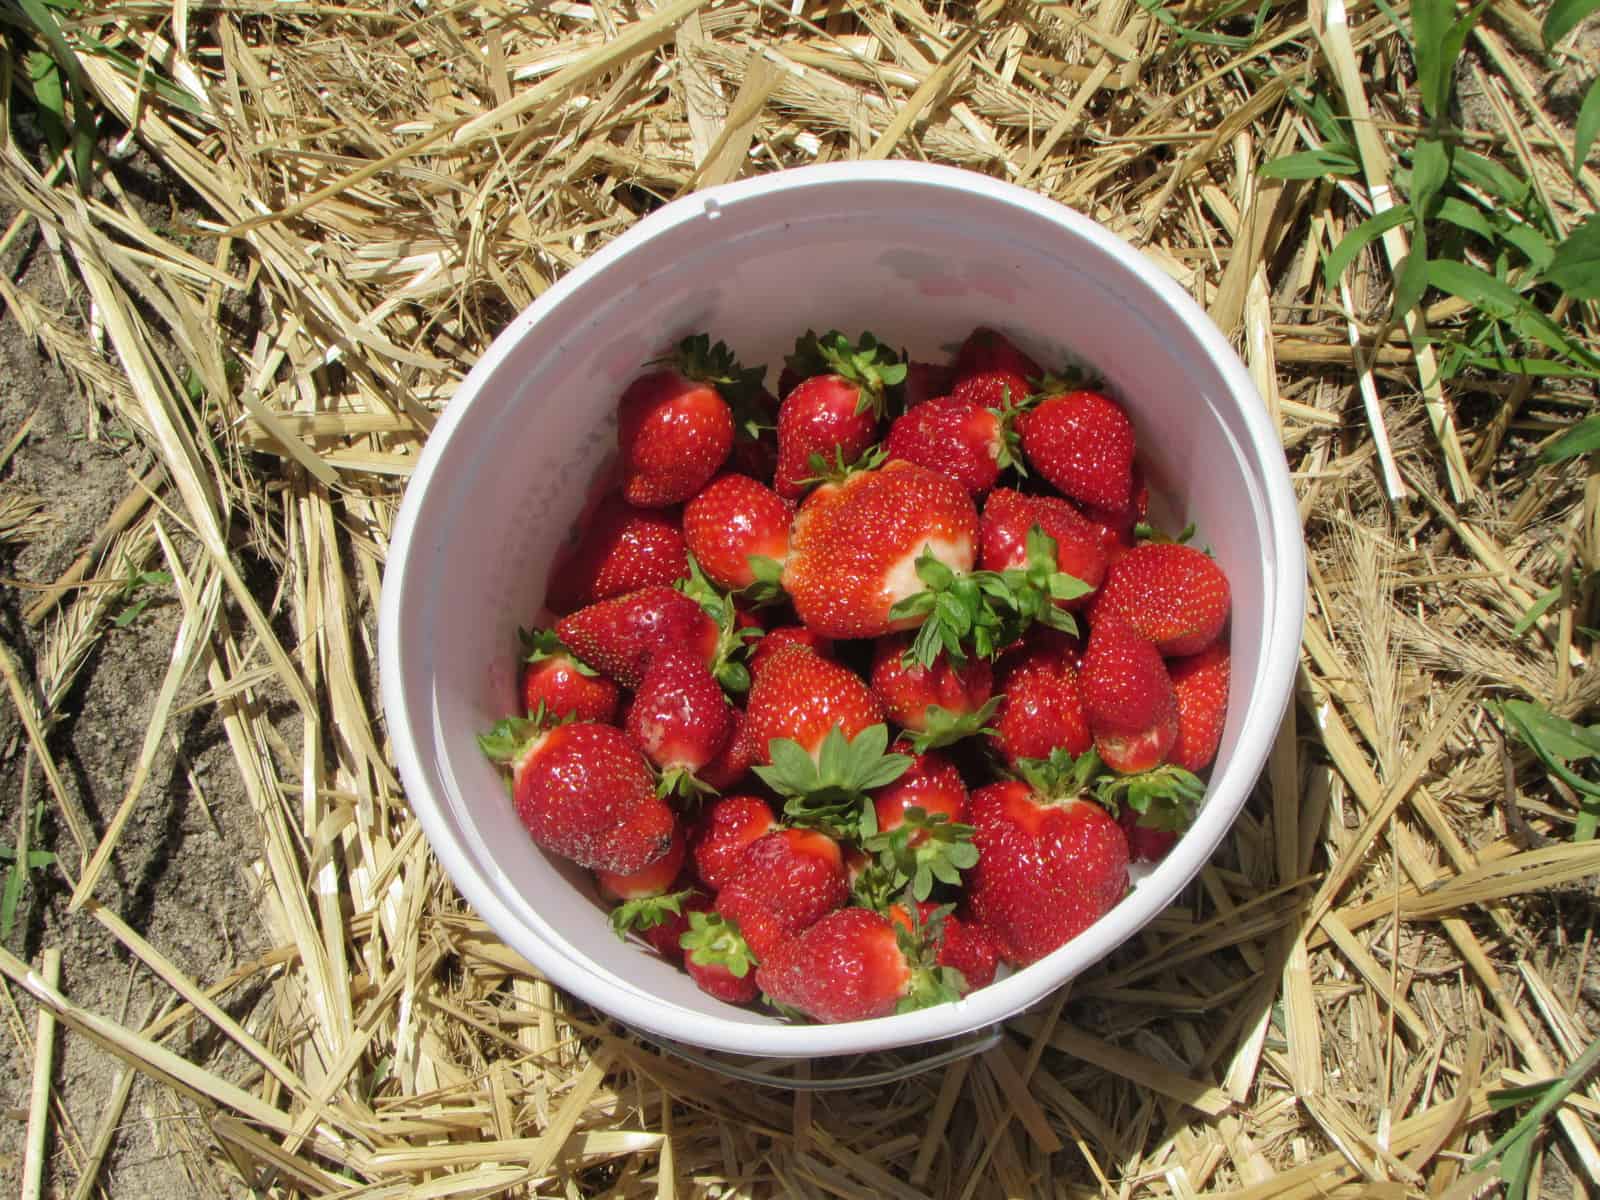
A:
[738,754]
[1144,843]
[829,788]
[832,413]
[1174,595]
[620,635]
[940,704]
[1043,705]
[1128,698]
[1116,526]
[718,959]
[855,555]
[999,390]
[787,635]
[666,935]
[718,840]
[646,899]
[622,549]
[785,882]
[675,426]
[924,381]
[962,946]
[1200,682]
[922,837]
[853,965]
[1082,443]
[583,792]
[990,350]
[679,716]
[1008,515]
[738,531]
[1153,807]
[562,684]
[801,697]
[967,441]
[1051,862]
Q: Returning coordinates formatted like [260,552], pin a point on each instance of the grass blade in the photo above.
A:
[1563,18]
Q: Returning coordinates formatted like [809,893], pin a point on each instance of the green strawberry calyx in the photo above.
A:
[1164,797]
[869,364]
[768,586]
[836,470]
[1062,777]
[713,940]
[733,639]
[930,984]
[939,855]
[945,727]
[508,740]
[541,644]
[646,912]
[829,793]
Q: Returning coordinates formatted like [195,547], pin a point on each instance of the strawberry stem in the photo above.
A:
[830,792]
[1165,797]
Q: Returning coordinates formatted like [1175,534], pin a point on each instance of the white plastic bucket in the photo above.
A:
[919,255]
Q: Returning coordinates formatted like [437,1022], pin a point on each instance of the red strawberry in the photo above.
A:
[999,390]
[788,635]
[674,434]
[556,679]
[1144,843]
[1050,863]
[1116,526]
[853,965]
[854,556]
[620,635]
[943,702]
[720,838]
[923,382]
[1043,705]
[622,549]
[1128,698]
[933,784]
[784,883]
[1008,515]
[1082,442]
[1174,595]
[653,881]
[803,697]
[718,959]
[738,754]
[679,716]
[1200,682]
[922,836]
[834,410]
[990,350]
[583,792]
[666,935]
[966,441]
[731,520]
[962,945]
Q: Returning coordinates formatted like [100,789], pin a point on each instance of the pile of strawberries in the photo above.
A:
[858,693]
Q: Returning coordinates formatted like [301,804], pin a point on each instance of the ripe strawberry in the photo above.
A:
[653,881]
[738,754]
[718,959]
[931,783]
[999,390]
[1200,682]
[854,557]
[924,381]
[733,520]
[1082,442]
[1008,515]
[666,935]
[1043,706]
[622,549]
[679,716]
[922,836]
[719,839]
[563,685]
[1116,526]
[1144,843]
[1050,861]
[940,704]
[967,441]
[583,792]
[802,697]
[620,635]
[785,882]
[1174,595]
[990,350]
[834,410]
[853,965]
[1128,698]
[788,635]
[962,945]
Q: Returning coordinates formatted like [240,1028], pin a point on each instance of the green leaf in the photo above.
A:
[1563,17]
[1536,610]
[1587,126]
[1411,276]
[1582,438]
[1312,164]
[1437,39]
[1351,244]
[646,912]
[1430,171]
[1482,289]
[1575,268]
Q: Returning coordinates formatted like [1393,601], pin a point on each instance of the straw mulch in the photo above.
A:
[1399,925]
